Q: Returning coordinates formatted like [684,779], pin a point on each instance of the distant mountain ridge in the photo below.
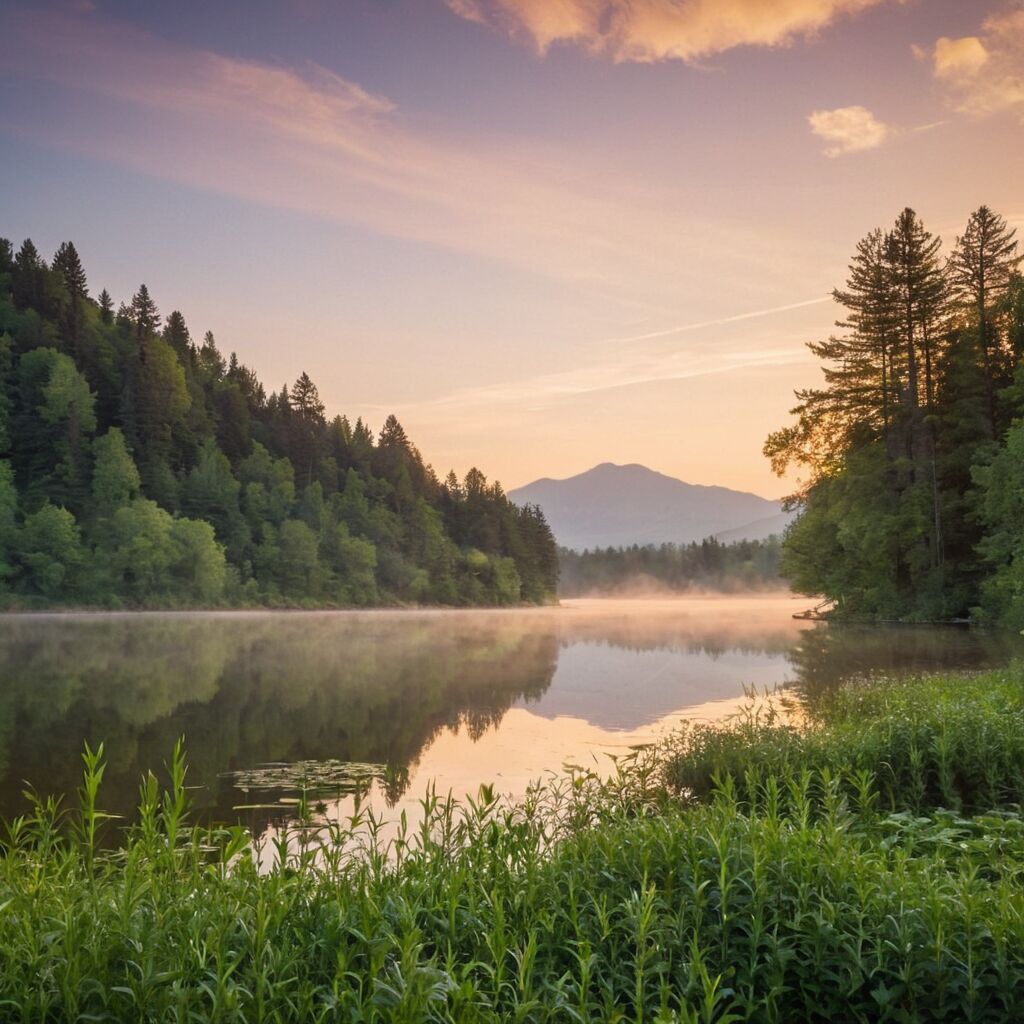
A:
[614,506]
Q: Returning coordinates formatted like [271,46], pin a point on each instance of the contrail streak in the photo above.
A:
[723,320]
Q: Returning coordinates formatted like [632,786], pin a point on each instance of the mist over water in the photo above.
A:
[450,697]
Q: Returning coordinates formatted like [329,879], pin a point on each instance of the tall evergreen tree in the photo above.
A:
[29,279]
[144,313]
[306,422]
[210,359]
[982,266]
[69,266]
[66,261]
[176,335]
[106,304]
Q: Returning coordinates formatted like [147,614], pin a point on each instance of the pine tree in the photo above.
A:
[69,266]
[106,307]
[67,262]
[29,279]
[176,335]
[144,313]
[919,286]
[981,267]
[210,358]
[305,399]
[306,425]
[863,368]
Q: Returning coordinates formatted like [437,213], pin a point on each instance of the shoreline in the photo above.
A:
[563,604]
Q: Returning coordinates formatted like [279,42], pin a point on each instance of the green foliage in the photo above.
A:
[1001,486]
[49,548]
[708,565]
[115,479]
[8,521]
[141,436]
[151,558]
[911,436]
[955,742]
[786,888]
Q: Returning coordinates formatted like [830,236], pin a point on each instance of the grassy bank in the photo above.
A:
[756,872]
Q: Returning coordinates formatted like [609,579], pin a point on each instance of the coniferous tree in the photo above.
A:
[66,261]
[28,285]
[982,266]
[106,304]
[306,424]
[915,391]
[176,335]
[144,314]
[210,359]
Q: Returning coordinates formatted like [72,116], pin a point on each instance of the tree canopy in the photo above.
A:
[910,491]
[140,468]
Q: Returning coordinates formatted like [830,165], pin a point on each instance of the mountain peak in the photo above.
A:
[614,505]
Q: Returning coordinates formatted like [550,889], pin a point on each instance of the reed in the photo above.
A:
[750,872]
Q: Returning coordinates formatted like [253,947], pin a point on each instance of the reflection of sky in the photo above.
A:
[618,688]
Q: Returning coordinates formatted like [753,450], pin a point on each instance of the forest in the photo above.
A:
[911,454]
[141,468]
[671,568]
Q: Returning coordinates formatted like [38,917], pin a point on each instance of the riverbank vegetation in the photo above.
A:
[912,451]
[866,865]
[140,467]
[739,566]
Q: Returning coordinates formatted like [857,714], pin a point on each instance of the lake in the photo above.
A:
[405,698]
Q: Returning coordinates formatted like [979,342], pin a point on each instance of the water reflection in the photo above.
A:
[457,697]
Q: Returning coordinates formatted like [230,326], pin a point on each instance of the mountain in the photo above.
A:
[612,506]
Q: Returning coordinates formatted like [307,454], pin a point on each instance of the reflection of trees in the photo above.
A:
[826,655]
[249,689]
[369,687]
[717,629]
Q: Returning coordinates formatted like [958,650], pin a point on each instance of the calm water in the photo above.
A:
[454,697]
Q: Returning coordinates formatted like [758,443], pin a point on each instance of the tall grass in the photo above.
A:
[747,873]
[955,742]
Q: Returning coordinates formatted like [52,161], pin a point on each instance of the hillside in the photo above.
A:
[141,468]
[612,505]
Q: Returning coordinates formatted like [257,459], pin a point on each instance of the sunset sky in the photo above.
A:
[545,233]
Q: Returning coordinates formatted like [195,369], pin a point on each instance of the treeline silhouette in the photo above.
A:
[708,565]
[912,451]
[141,468]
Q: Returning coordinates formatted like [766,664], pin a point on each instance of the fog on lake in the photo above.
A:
[451,697]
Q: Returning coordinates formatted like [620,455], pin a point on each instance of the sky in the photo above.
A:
[544,233]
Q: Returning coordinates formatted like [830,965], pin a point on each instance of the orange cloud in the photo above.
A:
[985,73]
[653,30]
[956,57]
[848,130]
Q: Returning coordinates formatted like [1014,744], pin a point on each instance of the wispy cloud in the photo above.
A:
[653,30]
[984,74]
[647,360]
[720,321]
[308,139]
[848,130]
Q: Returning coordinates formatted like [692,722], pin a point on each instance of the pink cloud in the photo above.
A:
[653,30]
